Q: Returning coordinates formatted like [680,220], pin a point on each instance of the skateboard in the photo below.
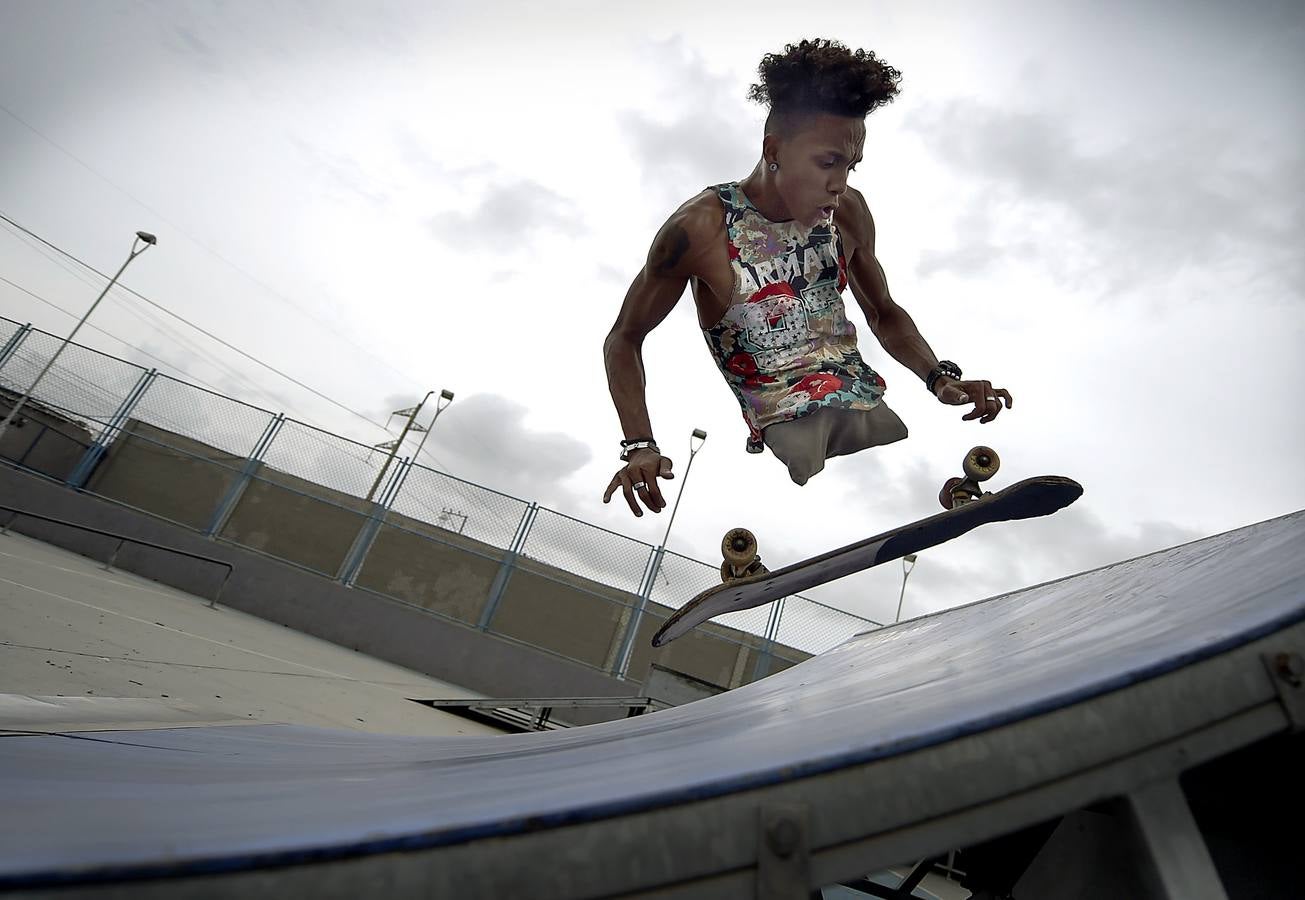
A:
[967,507]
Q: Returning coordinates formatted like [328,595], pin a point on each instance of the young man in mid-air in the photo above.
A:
[767,259]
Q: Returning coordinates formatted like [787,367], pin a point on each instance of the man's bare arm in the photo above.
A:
[894,328]
[671,261]
[650,299]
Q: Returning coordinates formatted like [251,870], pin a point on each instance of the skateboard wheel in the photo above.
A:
[981,463]
[945,496]
[739,547]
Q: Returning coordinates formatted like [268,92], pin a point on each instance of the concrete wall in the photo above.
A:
[166,474]
[44,440]
[582,623]
[444,573]
[277,516]
[384,628]
[421,564]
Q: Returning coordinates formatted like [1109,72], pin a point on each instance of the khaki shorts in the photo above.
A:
[804,444]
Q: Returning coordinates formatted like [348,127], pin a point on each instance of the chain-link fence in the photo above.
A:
[202,415]
[680,578]
[328,460]
[85,386]
[459,506]
[361,514]
[587,550]
[814,627]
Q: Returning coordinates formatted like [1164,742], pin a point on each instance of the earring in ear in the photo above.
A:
[774,167]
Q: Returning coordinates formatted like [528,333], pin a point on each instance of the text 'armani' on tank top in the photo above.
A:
[785,345]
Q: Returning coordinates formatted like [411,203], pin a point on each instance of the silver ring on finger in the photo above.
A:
[991,399]
[639,485]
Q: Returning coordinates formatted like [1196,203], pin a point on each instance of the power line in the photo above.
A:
[228,262]
[88,387]
[274,293]
[141,350]
[126,304]
[184,321]
[74,376]
[201,330]
[172,334]
[216,390]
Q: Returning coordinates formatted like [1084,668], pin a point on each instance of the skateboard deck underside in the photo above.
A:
[1027,499]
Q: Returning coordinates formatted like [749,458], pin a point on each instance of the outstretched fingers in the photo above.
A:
[622,481]
[987,401]
[638,484]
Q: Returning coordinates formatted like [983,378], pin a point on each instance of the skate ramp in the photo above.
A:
[898,744]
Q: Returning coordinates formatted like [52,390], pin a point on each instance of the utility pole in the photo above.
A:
[393,446]
[446,397]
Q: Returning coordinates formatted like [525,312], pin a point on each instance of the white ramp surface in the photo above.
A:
[898,744]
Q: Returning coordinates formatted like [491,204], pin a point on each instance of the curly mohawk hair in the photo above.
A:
[823,76]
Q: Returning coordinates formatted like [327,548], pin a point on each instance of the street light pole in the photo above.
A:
[908,563]
[144,240]
[696,440]
[446,397]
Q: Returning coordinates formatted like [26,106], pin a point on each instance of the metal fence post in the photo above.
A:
[501,578]
[362,543]
[771,637]
[11,345]
[228,503]
[81,473]
[622,666]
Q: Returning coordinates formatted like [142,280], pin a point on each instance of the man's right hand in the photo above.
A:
[638,477]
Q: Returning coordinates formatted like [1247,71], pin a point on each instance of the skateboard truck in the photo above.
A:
[980,464]
[739,547]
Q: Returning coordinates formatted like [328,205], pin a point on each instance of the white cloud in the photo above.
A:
[705,133]
[508,216]
[486,438]
[1169,200]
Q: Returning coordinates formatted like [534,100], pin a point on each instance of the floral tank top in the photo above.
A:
[785,345]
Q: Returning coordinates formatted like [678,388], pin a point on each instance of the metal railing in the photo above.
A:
[522,714]
[121,539]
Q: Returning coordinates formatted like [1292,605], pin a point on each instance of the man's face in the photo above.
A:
[814,162]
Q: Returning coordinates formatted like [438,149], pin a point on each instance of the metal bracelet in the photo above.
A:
[629,447]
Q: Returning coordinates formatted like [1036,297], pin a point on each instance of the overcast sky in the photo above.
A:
[1097,205]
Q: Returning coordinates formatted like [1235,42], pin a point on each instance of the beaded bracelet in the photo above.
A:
[944,367]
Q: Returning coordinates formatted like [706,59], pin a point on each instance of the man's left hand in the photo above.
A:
[987,399]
